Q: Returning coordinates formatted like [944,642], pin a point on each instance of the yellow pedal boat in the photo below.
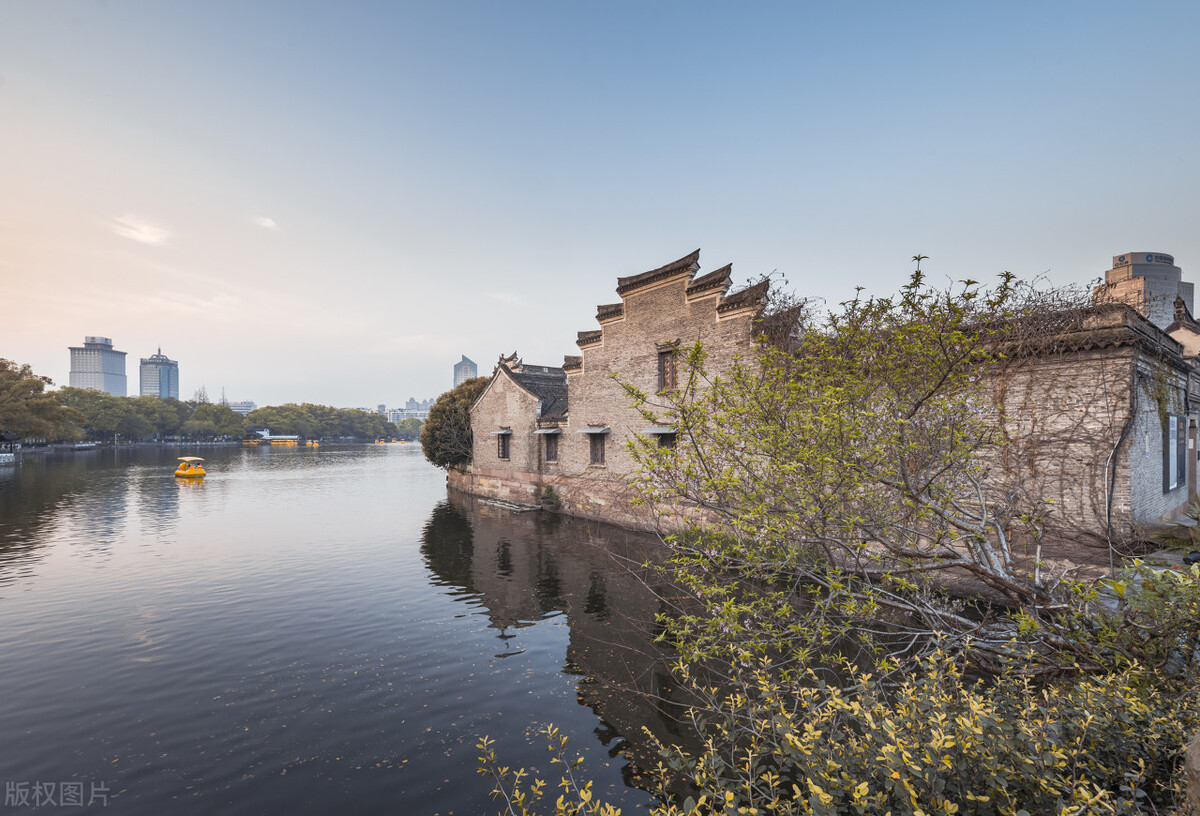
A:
[190,467]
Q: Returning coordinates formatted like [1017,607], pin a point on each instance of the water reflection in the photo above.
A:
[527,567]
[307,632]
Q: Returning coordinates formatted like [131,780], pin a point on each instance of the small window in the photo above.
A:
[668,377]
[597,443]
[551,447]
[502,446]
[1174,452]
[666,440]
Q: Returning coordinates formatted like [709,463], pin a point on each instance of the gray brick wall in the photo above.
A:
[505,405]
[628,352]
[1064,416]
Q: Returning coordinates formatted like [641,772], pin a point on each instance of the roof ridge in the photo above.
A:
[688,263]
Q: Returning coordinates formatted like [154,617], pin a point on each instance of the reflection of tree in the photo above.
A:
[42,491]
[527,566]
[448,546]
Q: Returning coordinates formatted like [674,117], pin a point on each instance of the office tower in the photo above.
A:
[96,364]
[464,370]
[1149,282]
[159,376]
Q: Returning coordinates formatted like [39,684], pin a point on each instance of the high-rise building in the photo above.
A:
[96,364]
[243,407]
[464,370]
[1149,282]
[159,376]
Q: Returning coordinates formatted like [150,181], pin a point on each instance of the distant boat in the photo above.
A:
[190,468]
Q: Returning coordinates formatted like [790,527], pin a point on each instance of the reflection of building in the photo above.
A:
[96,364]
[527,567]
[464,370]
[1149,282]
[159,376]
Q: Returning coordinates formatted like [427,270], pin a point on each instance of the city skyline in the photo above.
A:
[333,204]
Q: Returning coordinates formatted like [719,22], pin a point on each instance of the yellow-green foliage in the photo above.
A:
[938,743]
[524,795]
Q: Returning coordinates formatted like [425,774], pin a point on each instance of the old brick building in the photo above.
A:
[1099,418]
[1100,425]
[534,443]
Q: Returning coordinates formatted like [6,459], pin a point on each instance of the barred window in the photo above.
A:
[502,446]
[551,447]
[597,448]
[668,375]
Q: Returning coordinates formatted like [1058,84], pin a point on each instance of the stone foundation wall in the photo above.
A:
[609,500]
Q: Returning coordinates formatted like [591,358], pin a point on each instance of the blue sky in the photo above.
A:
[330,202]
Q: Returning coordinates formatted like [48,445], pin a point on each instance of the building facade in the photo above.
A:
[1099,427]
[413,409]
[560,434]
[464,370]
[159,376]
[243,407]
[1099,421]
[1149,282]
[97,365]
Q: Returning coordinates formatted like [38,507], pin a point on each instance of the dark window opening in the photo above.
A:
[1174,452]
[502,446]
[551,447]
[666,440]
[597,448]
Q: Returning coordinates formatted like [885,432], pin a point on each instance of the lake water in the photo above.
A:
[305,631]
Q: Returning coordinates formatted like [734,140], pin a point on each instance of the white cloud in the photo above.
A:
[265,222]
[140,230]
[507,297]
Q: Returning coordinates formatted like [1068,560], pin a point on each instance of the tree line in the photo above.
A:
[29,411]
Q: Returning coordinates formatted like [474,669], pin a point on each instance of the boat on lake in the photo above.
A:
[190,467]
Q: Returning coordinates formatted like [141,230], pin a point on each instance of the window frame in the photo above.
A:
[550,451]
[668,369]
[596,452]
[1175,458]
[504,447]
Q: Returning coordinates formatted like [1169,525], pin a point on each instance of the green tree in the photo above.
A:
[844,476]
[103,413]
[166,415]
[28,410]
[446,435]
[209,420]
[409,428]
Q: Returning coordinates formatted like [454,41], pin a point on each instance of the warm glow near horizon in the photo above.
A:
[333,202]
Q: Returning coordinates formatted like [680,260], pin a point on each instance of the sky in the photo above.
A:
[333,202]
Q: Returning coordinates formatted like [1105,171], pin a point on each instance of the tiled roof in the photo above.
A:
[547,384]
[586,338]
[572,363]
[686,263]
[718,279]
[610,310]
[1104,325]
[750,296]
